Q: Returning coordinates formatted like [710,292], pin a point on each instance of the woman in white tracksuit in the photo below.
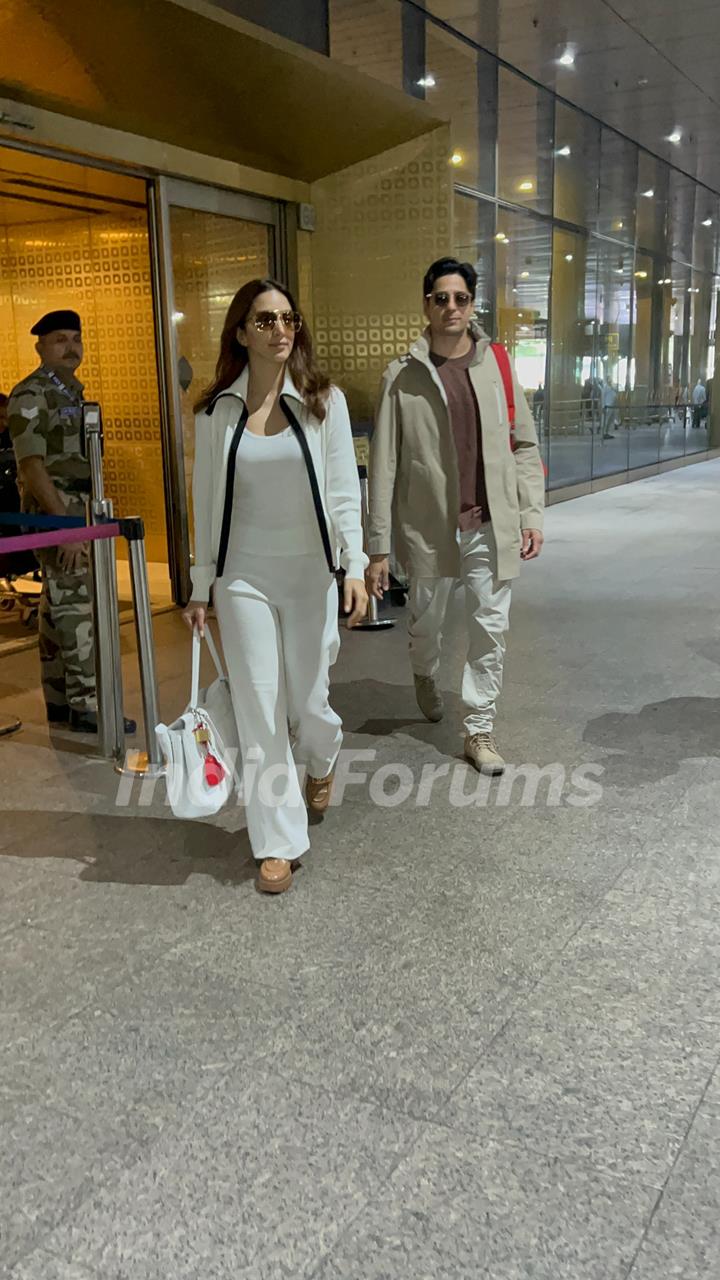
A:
[276,496]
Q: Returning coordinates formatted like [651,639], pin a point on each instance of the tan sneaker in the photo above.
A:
[318,792]
[429,698]
[481,750]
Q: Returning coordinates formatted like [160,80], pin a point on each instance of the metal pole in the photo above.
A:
[108,665]
[152,763]
[372,621]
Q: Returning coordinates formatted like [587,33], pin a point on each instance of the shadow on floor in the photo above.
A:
[138,850]
[378,710]
[652,744]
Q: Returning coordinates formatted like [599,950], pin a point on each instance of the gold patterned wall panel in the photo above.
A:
[379,225]
[99,265]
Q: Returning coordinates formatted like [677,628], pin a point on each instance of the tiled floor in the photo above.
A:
[479,1038]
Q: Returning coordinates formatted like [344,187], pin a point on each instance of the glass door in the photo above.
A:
[210,242]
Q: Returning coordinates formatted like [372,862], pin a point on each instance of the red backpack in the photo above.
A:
[503,364]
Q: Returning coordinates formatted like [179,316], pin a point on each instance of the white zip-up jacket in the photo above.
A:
[330,458]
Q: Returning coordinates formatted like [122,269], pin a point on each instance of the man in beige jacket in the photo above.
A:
[460,502]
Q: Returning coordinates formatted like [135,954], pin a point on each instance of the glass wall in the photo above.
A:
[597,262]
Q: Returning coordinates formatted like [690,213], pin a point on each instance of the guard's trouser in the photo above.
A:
[278,621]
[66,637]
[487,604]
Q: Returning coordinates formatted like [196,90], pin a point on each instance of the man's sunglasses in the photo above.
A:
[264,320]
[443,299]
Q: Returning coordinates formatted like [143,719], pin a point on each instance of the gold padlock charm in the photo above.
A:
[202,735]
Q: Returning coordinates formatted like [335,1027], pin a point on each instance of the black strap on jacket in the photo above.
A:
[229,488]
[314,486]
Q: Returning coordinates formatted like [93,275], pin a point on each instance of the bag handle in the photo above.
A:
[196,649]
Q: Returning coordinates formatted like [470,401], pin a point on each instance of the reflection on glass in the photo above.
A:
[575,398]
[370,41]
[212,257]
[618,187]
[653,185]
[577,160]
[525,138]
[453,92]
[646,414]
[523,261]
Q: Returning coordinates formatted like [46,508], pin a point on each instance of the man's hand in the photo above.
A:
[72,556]
[532,544]
[355,601]
[377,576]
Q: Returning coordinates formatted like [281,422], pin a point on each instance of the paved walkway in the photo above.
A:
[480,1036]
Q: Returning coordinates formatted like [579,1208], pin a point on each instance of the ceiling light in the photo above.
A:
[524,275]
[567,59]
[642,82]
[177,316]
[675,137]
[649,193]
[502,237]
[569,257]
[641,275]
[618,225]
[708,222]
[527,185]
[427,82]
[457,158]
[619,270]
[563,151]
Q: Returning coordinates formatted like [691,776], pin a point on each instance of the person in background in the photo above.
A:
[276,495]
[44,421]
[609,409]
[699,402]
[460,502]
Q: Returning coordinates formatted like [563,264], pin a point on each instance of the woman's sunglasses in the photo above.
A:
[264,320]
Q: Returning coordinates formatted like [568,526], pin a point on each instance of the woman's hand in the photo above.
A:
[355,601]
[194,614]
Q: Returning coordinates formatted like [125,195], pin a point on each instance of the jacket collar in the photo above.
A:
[420,350]
[239,388]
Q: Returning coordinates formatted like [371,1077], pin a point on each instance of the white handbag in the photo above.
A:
[201,748]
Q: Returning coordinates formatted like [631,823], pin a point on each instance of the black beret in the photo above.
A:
[57,320]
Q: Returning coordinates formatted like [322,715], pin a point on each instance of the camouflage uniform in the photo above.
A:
[44,420]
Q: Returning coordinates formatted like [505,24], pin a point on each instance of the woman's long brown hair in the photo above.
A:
[311,383]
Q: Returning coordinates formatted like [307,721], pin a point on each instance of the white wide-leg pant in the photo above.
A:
[487,604]
[278,619]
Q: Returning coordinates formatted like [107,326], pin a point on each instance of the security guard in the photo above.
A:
[45,421]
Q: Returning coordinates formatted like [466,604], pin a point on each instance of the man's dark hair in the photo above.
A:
[449,267]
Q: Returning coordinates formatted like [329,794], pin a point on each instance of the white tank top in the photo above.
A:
[273,511]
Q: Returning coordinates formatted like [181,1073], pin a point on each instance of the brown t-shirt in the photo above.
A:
[466,428]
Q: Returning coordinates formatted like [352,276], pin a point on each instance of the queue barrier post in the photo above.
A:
[108,663]
[151,762]
[9,725]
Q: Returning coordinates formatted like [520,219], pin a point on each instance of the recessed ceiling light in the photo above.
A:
[177,316]
[642,82]
[527,185]
[502,237]
[619,270]
[675,137]
[456,158]
[569,257]
[641,275]
[649,193]
[708,222]
[567,59]
[427,82]
[524,275]
[563,151]
[618,225]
